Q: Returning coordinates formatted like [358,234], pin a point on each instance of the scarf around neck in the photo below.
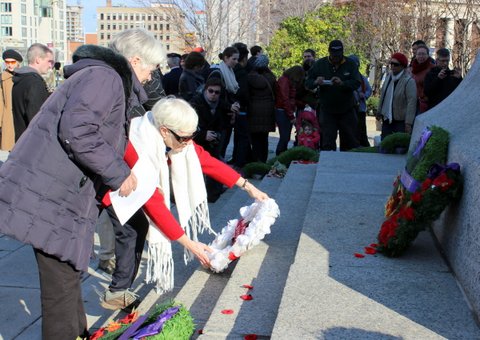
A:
[387,106]
[228,76]
[417,67]
[189,191]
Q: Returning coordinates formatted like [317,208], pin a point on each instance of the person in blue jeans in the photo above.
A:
[285,93]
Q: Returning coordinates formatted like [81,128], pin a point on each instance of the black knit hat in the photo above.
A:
[12,54]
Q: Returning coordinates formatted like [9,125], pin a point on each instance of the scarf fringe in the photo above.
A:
[199,222]
[160,266]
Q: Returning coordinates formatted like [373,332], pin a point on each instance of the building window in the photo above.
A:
[24,20]
[168,47]
[155,18]
[114,17]
[137,17]
[168,27]
[167,38]
[149,27]
[161,27]
[149,18]
[161,37]
[114,27]
[6,7]
[108,17]
[101,16]
[143,17]
[102,36]
[131,17]
[131,26]
[155,27]
[7,31]
[24,32]
[6,19]
[101,26]
[108,27]
[24,8]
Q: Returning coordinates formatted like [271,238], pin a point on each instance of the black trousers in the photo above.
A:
[362,129]
[345,124]
[390,128]
[242,151]
[259,146]
[63,315]
[129,243]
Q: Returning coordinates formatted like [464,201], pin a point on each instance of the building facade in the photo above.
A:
[24,22]
[158,19]
[74,23]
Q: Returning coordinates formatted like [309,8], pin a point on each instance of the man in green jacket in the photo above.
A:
[336,78]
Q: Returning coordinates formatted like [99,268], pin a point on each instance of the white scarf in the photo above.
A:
[388,98]
[228,77]
[189,191]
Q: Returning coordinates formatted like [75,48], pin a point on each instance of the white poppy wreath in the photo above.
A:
[240,235]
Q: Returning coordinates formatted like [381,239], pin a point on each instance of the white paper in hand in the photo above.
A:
[147,182]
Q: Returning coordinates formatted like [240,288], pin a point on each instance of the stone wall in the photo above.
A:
[458,230]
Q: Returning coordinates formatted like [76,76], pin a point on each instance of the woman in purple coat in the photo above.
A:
[72,152]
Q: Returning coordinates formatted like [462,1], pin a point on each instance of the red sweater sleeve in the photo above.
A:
[316,137]
[215,168]
[158,212]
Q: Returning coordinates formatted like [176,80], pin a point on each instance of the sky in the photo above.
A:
[90,11]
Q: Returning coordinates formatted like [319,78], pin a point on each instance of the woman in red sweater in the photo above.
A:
[161,144]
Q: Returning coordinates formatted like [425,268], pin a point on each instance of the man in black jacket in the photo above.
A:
[29,89]
[440,81]
[171,79]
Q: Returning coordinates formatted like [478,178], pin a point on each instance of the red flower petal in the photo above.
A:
[247,286]
[200,331]
[370,251]
[373,245]
[250,337]
[232,257]
[227,311]
[359,255]
[246,297]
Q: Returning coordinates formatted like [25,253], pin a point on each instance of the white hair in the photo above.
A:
[140,43]
[175,114]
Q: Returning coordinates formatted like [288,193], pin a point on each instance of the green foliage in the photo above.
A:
[372,105]
[255,168]
[298,153]
[366,149]
[435,151]
[314,31]
[395,140]
[179,327]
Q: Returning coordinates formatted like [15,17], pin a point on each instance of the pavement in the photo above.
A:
[308,284]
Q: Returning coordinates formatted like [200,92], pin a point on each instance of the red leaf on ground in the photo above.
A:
[200,331]
[251,337]
[370,251]
[247,286]
[358,255]
[227,311]
[374,245]
[246,297]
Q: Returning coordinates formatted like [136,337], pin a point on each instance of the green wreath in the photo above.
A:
[421,193]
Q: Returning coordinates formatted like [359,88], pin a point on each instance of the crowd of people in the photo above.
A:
[72,150]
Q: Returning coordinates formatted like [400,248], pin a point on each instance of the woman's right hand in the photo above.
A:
[198,249]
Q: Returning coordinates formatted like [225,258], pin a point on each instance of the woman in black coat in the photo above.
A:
[191,81]
[261,113]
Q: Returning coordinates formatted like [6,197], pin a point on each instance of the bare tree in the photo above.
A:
[212,24]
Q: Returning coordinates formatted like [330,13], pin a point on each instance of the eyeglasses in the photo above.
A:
[394,63]
[10,62]
[183,139]
[213,91]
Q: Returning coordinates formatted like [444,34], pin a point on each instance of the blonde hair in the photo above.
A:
[175,114]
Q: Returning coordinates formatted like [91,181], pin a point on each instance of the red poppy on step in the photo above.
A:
[227,311]
[246,297]
[247,286]
[251,337]
[358,255]
[370,251]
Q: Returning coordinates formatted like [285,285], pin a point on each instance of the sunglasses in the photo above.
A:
[183,139]
[10,62]
[213,91]
[394,63]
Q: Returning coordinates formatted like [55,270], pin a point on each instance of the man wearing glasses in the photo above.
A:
[29,89]
[440,81]
[398,99]
[12,61]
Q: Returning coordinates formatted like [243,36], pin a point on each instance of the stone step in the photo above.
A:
[265,267]
[203,288]
[330,293]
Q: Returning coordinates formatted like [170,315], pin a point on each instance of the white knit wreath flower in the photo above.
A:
[260,215]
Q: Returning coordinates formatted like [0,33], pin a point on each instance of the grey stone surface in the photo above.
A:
[331,294]
[19,269]
[360,162]
[265,266]
[458,231]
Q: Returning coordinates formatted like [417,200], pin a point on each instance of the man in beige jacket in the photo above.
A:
[12,60]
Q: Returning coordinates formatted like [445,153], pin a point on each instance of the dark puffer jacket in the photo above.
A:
[261,113]
[73,145]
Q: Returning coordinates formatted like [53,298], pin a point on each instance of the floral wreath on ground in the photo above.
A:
[167,321]
[240,235]
[420,194]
